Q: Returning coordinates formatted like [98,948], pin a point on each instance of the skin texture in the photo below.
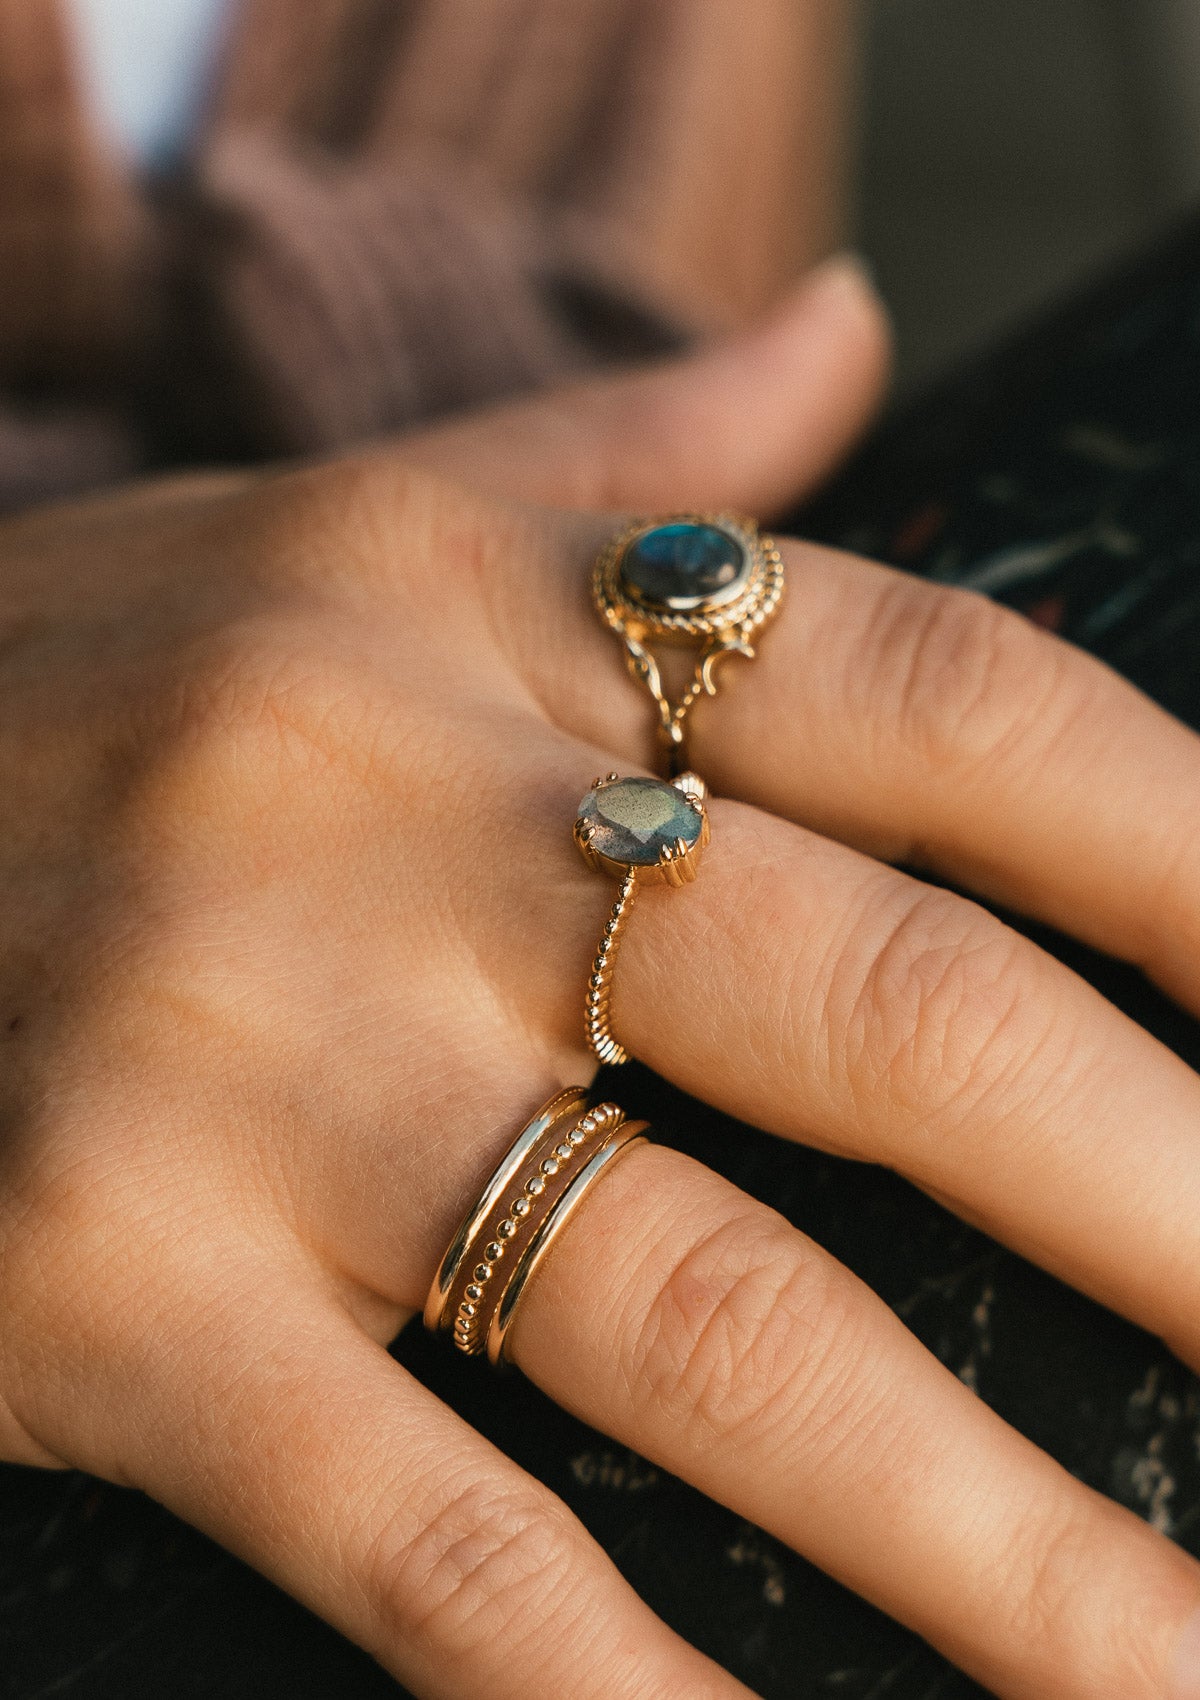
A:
[289,911]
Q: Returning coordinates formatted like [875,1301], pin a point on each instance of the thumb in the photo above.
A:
[751,423]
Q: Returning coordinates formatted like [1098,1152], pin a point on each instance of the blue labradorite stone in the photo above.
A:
[635,820]
[684,564]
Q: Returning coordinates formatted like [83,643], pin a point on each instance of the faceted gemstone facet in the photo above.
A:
[682,565]
[635,820]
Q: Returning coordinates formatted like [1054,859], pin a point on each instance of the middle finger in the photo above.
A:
[927,724]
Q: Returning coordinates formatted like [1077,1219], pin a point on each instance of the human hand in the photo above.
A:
[293,936]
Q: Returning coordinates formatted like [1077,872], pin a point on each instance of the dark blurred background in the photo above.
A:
[1005,147]
[1008,146]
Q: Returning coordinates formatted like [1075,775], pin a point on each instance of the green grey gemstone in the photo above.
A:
[685,564]
[635,820]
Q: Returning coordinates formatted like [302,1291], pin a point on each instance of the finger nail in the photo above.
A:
[836,286]
[1186,1676]
[844,274]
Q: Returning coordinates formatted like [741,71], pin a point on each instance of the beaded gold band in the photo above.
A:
[620,1140]
[596,1008]
[536,1187]
[470,1238]
[639,831]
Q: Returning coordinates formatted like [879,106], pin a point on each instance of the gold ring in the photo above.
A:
[712,581]
[535,1189]
[638,831]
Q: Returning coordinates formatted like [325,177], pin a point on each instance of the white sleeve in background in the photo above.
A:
[146,65]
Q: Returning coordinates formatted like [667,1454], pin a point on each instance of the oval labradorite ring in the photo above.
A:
[711,581]
[638,831]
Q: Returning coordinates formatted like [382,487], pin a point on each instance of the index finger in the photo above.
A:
[297,1442]
[674,434]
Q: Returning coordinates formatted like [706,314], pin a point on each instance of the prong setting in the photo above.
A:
[635,830]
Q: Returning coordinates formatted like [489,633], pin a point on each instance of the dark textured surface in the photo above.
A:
[1064,477]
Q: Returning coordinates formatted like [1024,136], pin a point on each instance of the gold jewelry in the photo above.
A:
[620,1140]
[566,1105]
[639,831]
[534,1190]
[710,580]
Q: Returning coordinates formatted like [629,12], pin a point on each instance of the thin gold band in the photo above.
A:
[505,1234]
[626,1136]
[547,1172]
[571,1102]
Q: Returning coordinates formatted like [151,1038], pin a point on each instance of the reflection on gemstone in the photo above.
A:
[635,820]
[684,564]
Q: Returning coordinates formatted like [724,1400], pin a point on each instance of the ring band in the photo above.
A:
[624,1136]
[571,1102]
[708,580]
[639,831]
[531,1195]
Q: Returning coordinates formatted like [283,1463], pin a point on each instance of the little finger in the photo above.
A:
[698,1327]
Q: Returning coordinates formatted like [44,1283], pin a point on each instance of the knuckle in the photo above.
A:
[374,527]
[1044,1570]
[338,517]
[246,713]
[930,1009]
[749,1332]
[965,680]
[486,1562]
[1049,1578]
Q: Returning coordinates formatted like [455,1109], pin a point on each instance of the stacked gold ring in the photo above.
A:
[707,581]
[535,1189]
